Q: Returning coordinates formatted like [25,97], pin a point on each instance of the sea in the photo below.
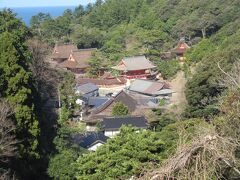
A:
[26,13]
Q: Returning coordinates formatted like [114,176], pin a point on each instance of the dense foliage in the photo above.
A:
[121,28]
[205,85]
[119,109]
[122,156]
[17,85]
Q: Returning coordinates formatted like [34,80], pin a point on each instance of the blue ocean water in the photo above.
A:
[26,13]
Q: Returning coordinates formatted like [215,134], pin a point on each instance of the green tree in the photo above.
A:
[96,64]
[122,156]
[61,165]
[119,109]
[18,89]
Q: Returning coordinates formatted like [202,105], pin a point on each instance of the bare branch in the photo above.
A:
[232,78]
[203,157]
[7,139]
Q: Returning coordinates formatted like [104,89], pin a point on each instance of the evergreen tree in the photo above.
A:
[18,91]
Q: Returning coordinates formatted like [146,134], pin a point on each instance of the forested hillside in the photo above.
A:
[124,28]
[203,142]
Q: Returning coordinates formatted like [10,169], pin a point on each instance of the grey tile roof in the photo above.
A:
[86,88]
[147,87]
[115,123]
[97,101]
[89,139]
[134,63]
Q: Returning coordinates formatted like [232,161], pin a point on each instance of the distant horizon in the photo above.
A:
[42,3]
[39,6]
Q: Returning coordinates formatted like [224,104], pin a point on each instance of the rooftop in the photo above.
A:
[152,88]
[115,123]
[89,139]
[63,51]
[86,88]
[102,82]
[97,101]
[181,47]
[134,63]
[120,97]
[78,59]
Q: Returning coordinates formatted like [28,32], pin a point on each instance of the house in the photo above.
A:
[150,88]
[106,108]
[87,90]
[180,49]
[95,115]
[62,52]
[90,141]
[77,61]
[135,67]
[111,125]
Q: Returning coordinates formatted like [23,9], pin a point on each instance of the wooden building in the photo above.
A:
[136,106]
[180,49]
[135,67]
[62,52]
[106,109]
[77,61]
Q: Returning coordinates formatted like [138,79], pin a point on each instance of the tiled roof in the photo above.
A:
[89,139]
[147,87]
[115,123]
[134,63]
[86,88]
[102,82]
[120,97]
[97,101]
[63,51]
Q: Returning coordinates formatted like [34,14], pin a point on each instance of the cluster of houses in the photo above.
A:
[136,87]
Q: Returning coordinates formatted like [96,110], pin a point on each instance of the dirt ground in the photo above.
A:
[178,99]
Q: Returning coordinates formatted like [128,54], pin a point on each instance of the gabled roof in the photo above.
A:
[181,47]
[90,139]
[78,59]
[120,97]
[134,63]
[86,88]
[115,123]
[63,51]
[147,87]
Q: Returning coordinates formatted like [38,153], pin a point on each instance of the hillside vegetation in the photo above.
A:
[125,28]
[202,143]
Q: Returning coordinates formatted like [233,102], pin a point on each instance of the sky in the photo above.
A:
[38,3]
